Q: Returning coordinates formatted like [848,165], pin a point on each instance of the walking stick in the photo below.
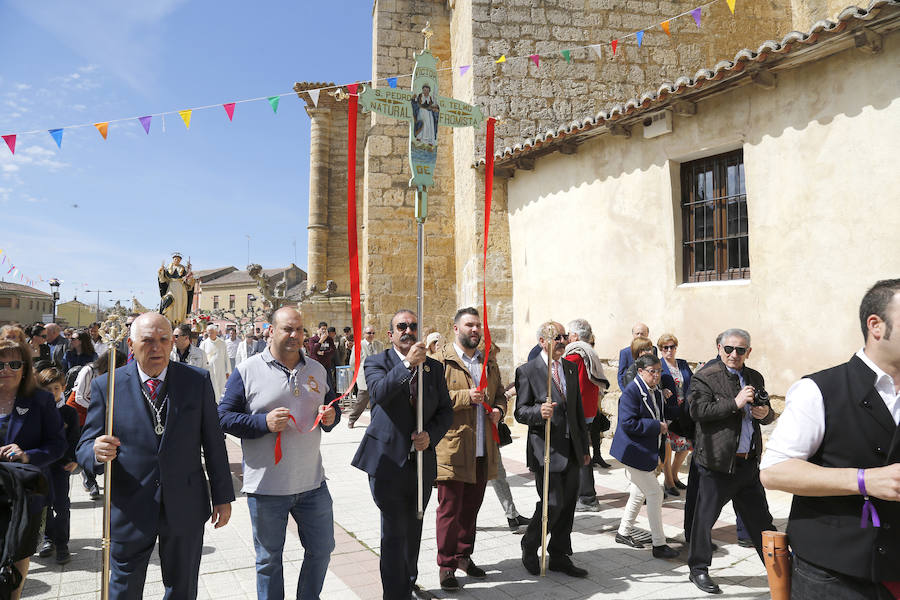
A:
[421,215]
[546,460]
[112,332]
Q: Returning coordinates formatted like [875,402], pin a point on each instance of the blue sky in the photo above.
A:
[138,196]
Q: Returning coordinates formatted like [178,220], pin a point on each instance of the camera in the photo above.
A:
[760,398]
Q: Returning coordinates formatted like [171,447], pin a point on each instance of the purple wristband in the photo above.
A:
[868,512]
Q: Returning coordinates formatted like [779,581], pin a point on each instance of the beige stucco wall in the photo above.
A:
[598,234]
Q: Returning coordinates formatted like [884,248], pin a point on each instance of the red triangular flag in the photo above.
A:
[352,87]
[229,108]
[536,59]
[11,142]
[614,44]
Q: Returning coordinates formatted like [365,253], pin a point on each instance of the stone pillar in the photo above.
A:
[320,156]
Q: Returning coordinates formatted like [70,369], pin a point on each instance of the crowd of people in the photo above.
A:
[836,447]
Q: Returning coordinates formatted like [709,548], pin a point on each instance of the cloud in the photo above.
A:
[10,168]
[22,87]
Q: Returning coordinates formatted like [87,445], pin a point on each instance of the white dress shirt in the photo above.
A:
[801,427]
[473,365]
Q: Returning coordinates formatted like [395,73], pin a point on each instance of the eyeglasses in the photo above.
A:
[175,335]
[729,349]
[14,365]
[401,327]
[561,337]
[667,348]
[652,371]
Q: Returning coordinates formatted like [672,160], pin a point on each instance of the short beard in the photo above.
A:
[467,342]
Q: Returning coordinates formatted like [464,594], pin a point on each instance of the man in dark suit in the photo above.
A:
[568,447]
[387,453]
[165,416]
[625,358]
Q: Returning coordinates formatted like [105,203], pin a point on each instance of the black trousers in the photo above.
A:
[587,493]
[811,582]
[745,491]
[561,498]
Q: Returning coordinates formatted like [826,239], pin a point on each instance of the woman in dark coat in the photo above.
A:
[80,352]
[31,431]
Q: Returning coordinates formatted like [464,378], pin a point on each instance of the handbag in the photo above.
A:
[602,422]
[504,433]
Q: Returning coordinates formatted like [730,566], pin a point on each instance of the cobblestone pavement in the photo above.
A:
[615,571]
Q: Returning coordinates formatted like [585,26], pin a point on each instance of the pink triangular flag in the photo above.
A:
[314,96]
[614,44]
[229,109]
[536,59]
[145,122]
[11,142]
[464,69]
[696,14]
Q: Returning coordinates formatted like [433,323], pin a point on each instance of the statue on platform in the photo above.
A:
[176,290]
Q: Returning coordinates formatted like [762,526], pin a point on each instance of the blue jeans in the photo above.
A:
[315,524]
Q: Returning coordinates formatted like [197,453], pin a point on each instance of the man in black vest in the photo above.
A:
[725,403]
[837,449]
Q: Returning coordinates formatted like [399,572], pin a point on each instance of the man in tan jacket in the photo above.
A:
[467,455]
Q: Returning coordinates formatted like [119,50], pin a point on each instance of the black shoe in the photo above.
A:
[63,555]
[680,485]
[95,492]
[566,566]
[641,535]
[518,524]
[448,580]
[664,551]
[531,563]
[587,507]
[673,491]
[472,570]
[420,593]
[47,548]
[598,460]
[628,541]
[704,583]
[745,542]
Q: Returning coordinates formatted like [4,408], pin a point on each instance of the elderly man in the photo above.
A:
[836,449]
[467,457]
[369,346]
[184,351]
[57,342]
[388,448]
[217,357]
[568,447]
[271,402]
[625,357]
[728,403]
[165,423]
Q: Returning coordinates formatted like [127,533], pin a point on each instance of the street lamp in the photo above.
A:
[98,299]
[54,285]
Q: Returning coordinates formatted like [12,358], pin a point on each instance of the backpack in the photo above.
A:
[71,378]
[17,482]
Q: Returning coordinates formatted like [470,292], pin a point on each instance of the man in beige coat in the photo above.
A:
[467,455]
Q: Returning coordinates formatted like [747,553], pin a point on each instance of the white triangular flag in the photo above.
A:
[314,96]
[598,48]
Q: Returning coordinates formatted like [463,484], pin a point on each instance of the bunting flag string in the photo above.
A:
[16,271]
[696,14]
[56,134]
[186,117]
[665,27]
[11,142]
[566,54]
[731,5]
[145,123]
[536,59]
[640,38]
[103,128]
[273,102]
[229,110]
[391,81]
[614,43]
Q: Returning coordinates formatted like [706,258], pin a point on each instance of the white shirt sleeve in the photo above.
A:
[800,429]
[83,386]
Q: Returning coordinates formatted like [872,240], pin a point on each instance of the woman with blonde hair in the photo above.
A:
[678,445]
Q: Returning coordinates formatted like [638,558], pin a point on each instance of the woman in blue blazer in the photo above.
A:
[638,445]
[678,447]
[31,432]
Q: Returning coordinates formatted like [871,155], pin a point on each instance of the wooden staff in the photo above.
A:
[544,516]
[421,215]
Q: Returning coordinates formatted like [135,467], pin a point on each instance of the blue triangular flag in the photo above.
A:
[56,134]
[640,37]
[392,81]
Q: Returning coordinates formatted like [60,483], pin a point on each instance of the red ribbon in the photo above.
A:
[352,243]
[488,192]
[278,440]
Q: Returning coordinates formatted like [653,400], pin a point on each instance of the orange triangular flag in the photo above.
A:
[103,128]
[731,5]
[665,27]
[186,117]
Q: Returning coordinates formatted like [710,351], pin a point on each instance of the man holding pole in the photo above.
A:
[567,448]
[388,449]
[165,418]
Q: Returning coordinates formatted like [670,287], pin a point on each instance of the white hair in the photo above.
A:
[582,329]
[132,333]
[734,332]
[212,327]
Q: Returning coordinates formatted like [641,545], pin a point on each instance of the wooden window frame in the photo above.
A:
[215,302]
[718,165]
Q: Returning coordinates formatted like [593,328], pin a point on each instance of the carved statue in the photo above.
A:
[176,290]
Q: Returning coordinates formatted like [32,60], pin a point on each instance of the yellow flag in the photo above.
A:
[665,27]
[731,5]
[502,59]
[103,128]
[186,117]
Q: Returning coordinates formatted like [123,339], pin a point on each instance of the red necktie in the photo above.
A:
[556,378]
[153,386]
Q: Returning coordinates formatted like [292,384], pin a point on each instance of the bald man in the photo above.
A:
[625,358]
[165,418]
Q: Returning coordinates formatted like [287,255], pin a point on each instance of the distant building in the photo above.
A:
[76,314]
[23,304]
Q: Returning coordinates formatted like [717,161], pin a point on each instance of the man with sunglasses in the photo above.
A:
[388,448]
[184,351]
[727,450]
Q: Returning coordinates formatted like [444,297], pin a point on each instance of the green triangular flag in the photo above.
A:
[273,100]
[567,55]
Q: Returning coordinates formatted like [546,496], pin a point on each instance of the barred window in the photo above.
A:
[215,302]
[714,218]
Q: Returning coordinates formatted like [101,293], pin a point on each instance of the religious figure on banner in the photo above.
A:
[176,290]
[426,112]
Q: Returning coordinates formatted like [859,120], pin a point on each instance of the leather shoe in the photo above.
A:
[628,541]
[704,583]
[587,507]
[448,580]
[745,542]
[664,551]
[598,460]
[680,485]
[566,566]
[531,563]
[420,593]
[673,491]
[471,569]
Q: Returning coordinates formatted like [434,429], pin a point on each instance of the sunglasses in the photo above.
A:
[667,348]
[652,371]
[729,349]
[14,365]
[370,333]
[401,327]
[561,337]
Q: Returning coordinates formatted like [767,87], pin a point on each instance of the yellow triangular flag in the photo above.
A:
[731,5]
[103,128]
[502,59]
[186,117]
[665,27]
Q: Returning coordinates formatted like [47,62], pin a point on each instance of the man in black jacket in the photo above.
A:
[837,449]
[727,449]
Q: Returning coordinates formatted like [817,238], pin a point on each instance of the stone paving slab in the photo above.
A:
[615,571]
